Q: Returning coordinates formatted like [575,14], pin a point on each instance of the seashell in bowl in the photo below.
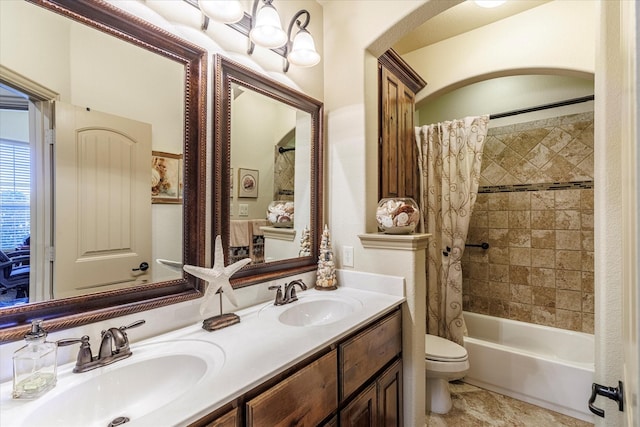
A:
[280,213]
[399,215]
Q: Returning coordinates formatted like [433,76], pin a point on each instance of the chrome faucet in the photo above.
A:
[114,346]
[289,294]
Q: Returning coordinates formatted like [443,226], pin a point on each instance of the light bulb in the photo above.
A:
[268,31]
[225,11]
[303,50]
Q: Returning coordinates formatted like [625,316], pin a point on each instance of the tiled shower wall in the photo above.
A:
[535,209]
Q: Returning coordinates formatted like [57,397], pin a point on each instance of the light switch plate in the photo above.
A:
[243,209]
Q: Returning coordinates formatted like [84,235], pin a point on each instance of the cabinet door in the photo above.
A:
[304,399]
[363,411]
[410,173]
[333,422]
[389,387]
[390,135]
[368,352]
[230,419]
[398,158]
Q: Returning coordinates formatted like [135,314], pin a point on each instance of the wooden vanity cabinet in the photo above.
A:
[363,410]
[227,416]
[230,419]
[356,381]
[305,398]
[371,359]
[397,153]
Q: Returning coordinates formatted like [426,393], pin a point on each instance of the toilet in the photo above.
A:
[445,361]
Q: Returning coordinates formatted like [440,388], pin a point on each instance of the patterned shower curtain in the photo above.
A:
[450,158]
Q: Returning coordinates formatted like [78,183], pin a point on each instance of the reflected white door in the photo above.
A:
[102,201]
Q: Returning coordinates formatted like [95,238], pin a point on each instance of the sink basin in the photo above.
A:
[314,310]
[151,380]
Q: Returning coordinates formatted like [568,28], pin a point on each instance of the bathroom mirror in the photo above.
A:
[174,286]
[269,143]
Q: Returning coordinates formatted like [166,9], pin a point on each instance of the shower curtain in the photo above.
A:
[450,157]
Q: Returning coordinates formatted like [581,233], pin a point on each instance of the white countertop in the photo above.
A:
[256,349]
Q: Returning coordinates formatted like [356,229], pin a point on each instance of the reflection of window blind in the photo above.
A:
[14,193]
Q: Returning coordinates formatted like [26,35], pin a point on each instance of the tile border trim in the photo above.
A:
[577,185]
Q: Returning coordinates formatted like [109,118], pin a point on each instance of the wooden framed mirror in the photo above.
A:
[258,122]
[98,304]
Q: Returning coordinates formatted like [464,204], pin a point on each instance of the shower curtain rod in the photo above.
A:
[543,107]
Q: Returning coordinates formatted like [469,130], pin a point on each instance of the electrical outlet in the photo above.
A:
[347,256]
[243,209]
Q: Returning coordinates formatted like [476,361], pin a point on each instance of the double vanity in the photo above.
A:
[327,356]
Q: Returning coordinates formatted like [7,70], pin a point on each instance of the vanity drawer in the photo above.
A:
[304,399]
[368,352]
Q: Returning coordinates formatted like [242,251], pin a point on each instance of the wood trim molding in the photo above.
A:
[407,75]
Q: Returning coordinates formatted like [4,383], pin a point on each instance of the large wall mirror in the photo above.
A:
[268,202]
[100,201]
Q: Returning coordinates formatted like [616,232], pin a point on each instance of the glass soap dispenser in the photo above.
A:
[34,365]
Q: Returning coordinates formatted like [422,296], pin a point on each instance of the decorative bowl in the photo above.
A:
[280,213]
[397,215]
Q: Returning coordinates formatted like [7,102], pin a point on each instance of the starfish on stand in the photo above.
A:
[218,279]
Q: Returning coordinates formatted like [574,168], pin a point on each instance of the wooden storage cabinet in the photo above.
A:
[398,152]
[304,399]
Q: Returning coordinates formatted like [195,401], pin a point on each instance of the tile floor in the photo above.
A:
[475,407]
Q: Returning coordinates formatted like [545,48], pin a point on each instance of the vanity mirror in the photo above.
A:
[184,67]
[269,138]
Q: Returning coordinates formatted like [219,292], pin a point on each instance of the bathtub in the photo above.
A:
[549,367]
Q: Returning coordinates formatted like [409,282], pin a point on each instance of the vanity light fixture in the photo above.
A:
[263,27]
[302,50]
[225,11]
[266,28]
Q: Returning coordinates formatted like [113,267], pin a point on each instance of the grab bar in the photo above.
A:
[483,245]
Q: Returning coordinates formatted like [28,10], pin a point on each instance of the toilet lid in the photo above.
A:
[443,350]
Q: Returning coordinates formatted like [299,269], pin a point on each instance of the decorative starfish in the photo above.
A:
[217,276]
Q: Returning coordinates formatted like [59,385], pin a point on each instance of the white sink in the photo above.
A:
[314,310]
[150,381]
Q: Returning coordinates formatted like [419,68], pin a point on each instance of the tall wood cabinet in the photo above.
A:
[398,152]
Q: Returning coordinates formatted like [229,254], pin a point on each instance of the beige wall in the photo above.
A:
[509,93]
[257,125]
[548,37]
